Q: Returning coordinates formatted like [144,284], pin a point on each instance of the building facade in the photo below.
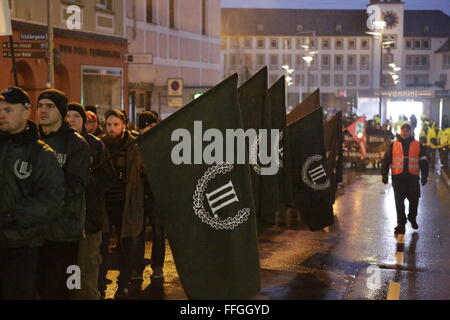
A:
[89,60]
[346,64]
[180,40]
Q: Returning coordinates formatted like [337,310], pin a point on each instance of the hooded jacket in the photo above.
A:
[32,188]
[74,157]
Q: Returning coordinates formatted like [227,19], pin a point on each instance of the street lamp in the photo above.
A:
[308,60]
[379,27]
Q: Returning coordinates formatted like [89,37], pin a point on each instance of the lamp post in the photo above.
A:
[379,27]
[308,60]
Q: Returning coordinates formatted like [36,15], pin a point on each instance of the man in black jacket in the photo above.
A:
[101,177]
[32,188]
[406,158]
[61,249]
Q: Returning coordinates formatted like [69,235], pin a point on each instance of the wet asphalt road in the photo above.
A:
[358,258]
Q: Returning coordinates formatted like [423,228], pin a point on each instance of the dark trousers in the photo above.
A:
[406,189]
[18,273]
[54,259]
[128,247]
[443,153]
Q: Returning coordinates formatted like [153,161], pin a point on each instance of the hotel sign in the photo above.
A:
[405,93]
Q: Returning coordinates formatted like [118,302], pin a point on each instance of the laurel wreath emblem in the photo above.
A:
[254,154]
[200,211]
[305,177]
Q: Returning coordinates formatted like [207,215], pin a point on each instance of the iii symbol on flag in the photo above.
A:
[212,201]
[317,173]
[214,198]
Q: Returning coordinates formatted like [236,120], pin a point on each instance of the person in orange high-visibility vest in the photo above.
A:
[407,159]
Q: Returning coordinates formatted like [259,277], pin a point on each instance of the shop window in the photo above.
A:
[104,4]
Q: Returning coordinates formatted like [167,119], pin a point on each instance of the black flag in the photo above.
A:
[256,114]
[311,180]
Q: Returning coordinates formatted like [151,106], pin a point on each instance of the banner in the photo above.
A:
[257,114]
[277,95]
[333,147]
[5,19]
[358,131]
[374,152]
[206,206]
[311,103]
[311,180]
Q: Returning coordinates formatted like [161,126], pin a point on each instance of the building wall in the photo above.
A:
[179,52]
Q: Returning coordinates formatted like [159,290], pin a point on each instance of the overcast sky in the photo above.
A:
[443,5]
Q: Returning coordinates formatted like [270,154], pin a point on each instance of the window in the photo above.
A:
[273,43]
[364,44]
[233,60]
[104,4]
[351,62]
[204,17]
[260,27]
[261,43]
[417,44]
[312,79]
[338,80]
[172,14]
[387,80]
[351,44]
[443,79]
[299,79]
[446,61]
[225,61]
[425,28]
[409,44]
[338,62]
[388,58]
[149,11]
[325,62]
[364,62]
[426,44]
[325,80]
[364,80]
[351,80]
[274,59]
[287,59]
[300,42]
[299,27]
[417,80]
[234,43]
[287,44]
[417,62]
[339,44]
[338,28]
[312,43]
[260,60]
[247,43]
[248,61]
[325,44]
[299,62]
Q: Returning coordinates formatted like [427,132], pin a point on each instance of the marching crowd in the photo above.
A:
[68,189]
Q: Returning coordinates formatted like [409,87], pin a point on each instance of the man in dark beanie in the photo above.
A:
[61,249]
[98,130]
[124,200]
[99,181]
[407,159]
[32,189]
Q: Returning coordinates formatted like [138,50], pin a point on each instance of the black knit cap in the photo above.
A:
[406,125]
[75,106]
[146,118]
[117,113]
[58,98]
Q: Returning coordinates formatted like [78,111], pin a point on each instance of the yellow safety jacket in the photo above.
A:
[432,138]
[423,137]
[444,138]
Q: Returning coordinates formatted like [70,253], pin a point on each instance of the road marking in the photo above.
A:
[399,257]
[393,291]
